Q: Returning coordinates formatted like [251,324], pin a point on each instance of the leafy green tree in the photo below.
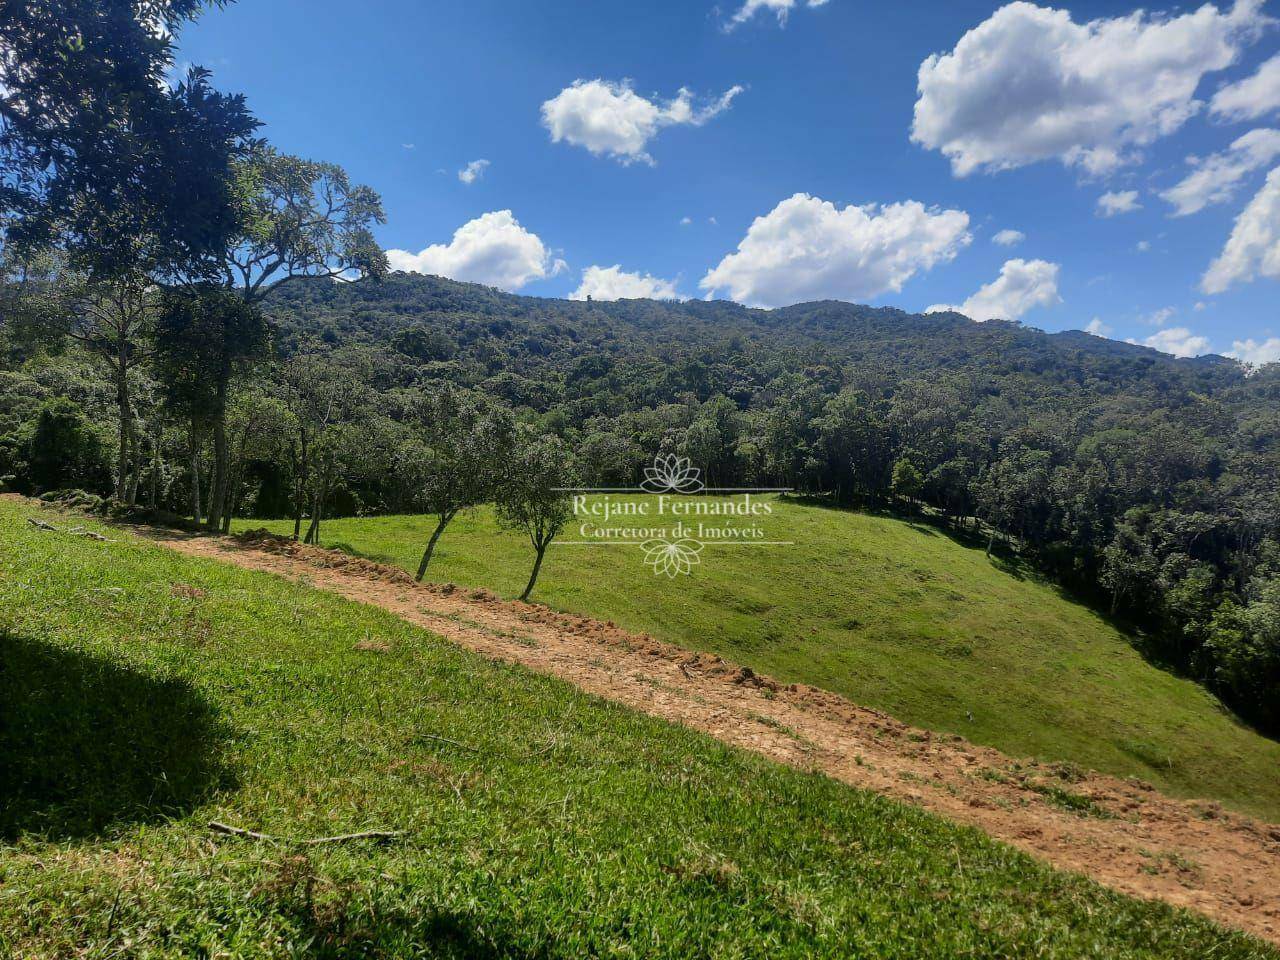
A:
[298,218]
[533,497]
[907,480]
[100,153]
[204,338]
[459,460]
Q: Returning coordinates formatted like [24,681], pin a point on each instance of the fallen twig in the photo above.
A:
[74,531]
[454,743]
[90,534]
[382,835]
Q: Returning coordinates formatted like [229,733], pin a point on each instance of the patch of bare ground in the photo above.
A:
[1122,833]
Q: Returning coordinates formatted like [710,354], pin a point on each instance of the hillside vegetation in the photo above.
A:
[892,615]
[1143,483]
[145,693]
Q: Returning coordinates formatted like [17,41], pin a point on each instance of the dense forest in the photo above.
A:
[1146,484]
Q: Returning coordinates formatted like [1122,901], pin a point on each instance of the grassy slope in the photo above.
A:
[131,713]
[895,616]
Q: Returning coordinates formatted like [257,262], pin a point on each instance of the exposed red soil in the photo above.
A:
[1122,833]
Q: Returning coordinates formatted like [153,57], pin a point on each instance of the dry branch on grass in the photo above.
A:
[73,531]
[383,836]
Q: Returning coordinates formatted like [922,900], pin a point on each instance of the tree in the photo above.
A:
[534,498]
[324,391]
[296,218]
[299,218]
[99,152]
[907,480]
[113,322]
[205,337]
[458,461]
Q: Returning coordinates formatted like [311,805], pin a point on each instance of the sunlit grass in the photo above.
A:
[539,821]
[893,615]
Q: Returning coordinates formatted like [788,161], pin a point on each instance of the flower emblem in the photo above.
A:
[672,557]
[672,474]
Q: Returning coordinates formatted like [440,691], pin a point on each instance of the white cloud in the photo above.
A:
[780,7]
[1254,353]
[1158,318]
[1009,238]
[611,119]
[1031,84]
[1178,341]
[614,283]
[473,171]
[1216,176]
[1253,248]
[685,221]
[809,249]
[1097,328]
[1142,246]
[408,146]
[1252,97]
[493,249]
[1114,203]
[1021,286]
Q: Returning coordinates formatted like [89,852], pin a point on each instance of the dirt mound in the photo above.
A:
[1120,832]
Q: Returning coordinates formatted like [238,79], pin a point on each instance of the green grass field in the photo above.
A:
[143,694]
[892,615]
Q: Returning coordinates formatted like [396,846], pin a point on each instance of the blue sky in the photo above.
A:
[1029,117]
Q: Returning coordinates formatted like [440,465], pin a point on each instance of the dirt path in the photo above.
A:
[1120,833]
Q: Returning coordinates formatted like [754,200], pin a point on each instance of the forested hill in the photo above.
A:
[482,332]
[1146,482]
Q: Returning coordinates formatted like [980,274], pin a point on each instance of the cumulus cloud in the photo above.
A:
[1009,238]
[1178,341]
[1252,97]
[809,249]
[611,119]
[614,283]
[1031,84]
[1254,353]
[1097,328]
[1253,249]
[779,7]
[1215,177]
[473,171]
[1021,286]
[1114,203]
[492,249]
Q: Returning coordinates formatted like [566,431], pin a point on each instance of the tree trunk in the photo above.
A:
[221,461]
[233,497]
[533,577]
[155,469]
[300,483]
[431,544]
[125,413]
[317,510]
[195,474]
[135,472]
